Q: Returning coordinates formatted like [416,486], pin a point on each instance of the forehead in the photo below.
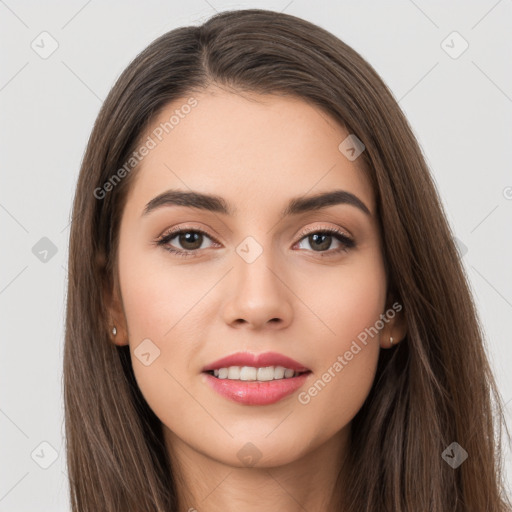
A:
[248,147]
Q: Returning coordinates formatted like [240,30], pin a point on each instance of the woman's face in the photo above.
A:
[255,281]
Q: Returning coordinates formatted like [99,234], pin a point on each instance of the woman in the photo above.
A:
[266,308]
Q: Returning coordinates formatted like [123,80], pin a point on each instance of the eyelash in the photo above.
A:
[347,242]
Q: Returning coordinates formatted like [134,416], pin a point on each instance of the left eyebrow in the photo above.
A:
[218,204]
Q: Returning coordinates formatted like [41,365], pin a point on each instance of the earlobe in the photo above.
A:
[117,331]
[395,329]
[116,337]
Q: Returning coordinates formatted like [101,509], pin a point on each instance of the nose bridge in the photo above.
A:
[254,261]
[258,295]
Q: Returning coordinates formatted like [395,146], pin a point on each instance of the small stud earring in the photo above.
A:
[114,330]
[391,340]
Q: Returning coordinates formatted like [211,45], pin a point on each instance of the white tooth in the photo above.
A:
[248,373]
[234,372]
[279,372]
[223,373]
[266,373]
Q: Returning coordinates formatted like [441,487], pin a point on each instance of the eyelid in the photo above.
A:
[179,228]
[173,232]
[314,229]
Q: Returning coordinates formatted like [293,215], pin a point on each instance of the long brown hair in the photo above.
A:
[434,388]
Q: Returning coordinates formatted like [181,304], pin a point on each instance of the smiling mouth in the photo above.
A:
[253,374]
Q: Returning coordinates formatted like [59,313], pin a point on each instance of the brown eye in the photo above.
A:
[190,240]
[186,242]
[321,241]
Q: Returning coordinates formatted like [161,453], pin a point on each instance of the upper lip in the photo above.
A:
[256,361]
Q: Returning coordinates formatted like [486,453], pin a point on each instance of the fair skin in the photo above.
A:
[257,152]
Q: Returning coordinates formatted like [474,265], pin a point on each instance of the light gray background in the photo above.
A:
[460,110]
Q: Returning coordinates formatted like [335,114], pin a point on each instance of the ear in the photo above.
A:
[115,314]
[395,323]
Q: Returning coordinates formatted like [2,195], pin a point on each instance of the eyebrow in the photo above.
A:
[217,204]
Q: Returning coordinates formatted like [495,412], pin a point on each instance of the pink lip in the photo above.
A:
[256,361]
[255,392]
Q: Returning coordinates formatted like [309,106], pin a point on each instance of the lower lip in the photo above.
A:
[256,392]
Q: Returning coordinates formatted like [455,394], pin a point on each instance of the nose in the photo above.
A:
[258,295]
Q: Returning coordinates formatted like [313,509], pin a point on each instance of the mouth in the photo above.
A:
[248,385]
[255,379]
[255,374]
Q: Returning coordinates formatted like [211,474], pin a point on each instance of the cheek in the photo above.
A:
[156,295]
[347,299]
[349,303]
[147,298]
[154,302]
